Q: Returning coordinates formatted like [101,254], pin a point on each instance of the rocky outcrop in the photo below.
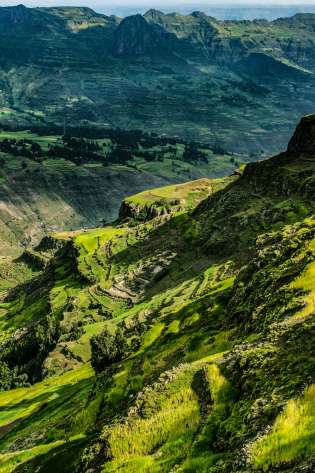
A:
[50,243]
[142,213]
[131,286]
[303,140]
[135,36]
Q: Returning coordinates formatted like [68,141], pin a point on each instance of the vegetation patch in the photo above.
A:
[291,437]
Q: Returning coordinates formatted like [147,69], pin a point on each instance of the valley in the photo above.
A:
[179,339]
[51,182]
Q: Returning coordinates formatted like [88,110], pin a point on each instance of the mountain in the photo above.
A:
[180,339]
[223,11]
[135,36]
[239,84]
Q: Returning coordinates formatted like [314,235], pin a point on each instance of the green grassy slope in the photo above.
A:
[215,305]
[168,199]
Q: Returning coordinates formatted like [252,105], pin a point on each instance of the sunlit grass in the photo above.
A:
[306,282]
[292,436]
[20,403]
[219,386]
[91,240]
[9,461]
[188,193]
[167,425]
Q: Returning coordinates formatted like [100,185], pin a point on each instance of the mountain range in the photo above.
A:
[221,11]
[242,84]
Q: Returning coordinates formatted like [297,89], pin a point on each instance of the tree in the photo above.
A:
[193,154]
[10,377]
[36,149]
[5,377]
[108,349]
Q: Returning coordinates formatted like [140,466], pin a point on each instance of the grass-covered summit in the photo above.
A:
[179,343]
[179,197]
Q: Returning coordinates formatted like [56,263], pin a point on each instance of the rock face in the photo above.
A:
[33,204]
[303,140]
[135,36]
[15,15]
[129,210]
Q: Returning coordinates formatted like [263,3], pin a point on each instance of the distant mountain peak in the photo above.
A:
[16,14]
[198,14]
[154,14]
[135,36]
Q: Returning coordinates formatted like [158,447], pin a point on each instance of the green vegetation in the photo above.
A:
[292,435]
[49,400]
[240,86]
[159,439]
[192,192]
[186,195]
[108,349]
[180,342]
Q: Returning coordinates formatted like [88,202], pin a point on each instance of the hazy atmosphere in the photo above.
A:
[102,4]
[232,9]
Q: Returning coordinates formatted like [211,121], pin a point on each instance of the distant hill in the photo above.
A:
[221,11]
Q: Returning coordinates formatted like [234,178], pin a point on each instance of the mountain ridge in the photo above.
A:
[196,70]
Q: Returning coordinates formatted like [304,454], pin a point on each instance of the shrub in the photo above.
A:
[107,349]
[10,378]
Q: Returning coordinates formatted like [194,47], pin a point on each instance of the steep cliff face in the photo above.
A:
[303,140]
[130,210]
[135,37]
[39,200]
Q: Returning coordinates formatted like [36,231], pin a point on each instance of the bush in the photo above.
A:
[108,349]
[10,378]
